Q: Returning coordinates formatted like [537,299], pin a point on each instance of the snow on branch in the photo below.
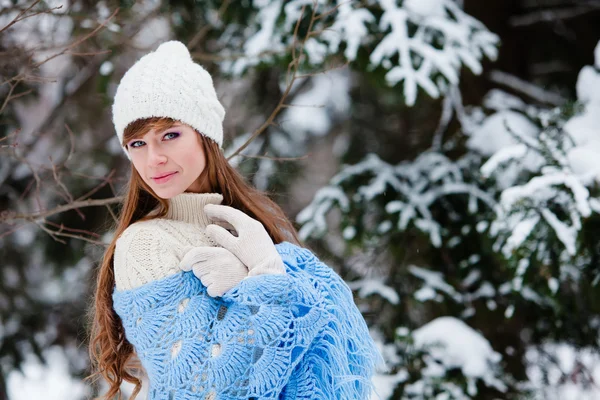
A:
[421,44]
[527,88]
[408,191]
[443,359]
[544,161]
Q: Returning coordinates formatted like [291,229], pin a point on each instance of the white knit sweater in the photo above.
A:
[150,250]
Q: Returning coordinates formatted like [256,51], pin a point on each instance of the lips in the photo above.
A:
[164,175]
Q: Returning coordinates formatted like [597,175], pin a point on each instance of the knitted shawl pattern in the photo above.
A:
[293,336]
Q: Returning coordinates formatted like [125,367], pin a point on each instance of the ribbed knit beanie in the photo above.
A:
[167,83]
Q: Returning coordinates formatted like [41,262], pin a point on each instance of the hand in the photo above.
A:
[217,268]
[252,245]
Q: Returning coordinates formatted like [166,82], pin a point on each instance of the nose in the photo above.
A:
[155,155]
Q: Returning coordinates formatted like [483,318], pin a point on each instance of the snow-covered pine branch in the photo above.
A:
[443,359]
[421,44]
[408,191]
[545,166]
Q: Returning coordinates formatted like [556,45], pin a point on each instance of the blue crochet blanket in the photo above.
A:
[294,336]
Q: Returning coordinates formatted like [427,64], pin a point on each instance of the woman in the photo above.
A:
[205,281]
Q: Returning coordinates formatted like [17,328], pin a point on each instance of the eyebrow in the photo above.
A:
[164,130]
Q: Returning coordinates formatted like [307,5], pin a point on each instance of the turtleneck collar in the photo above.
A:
[189,207]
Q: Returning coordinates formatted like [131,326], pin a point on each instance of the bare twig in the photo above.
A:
[74,230]
[36,177]
[291,76]
[313,74]
[10,96]
[552,15]
[11,221]
[12,145]
[329,12]
[21,16]
[106,180]
[11,218]
[10,231]
[59,182]
[535,92]
[66,50]
[56,234]
[302,106]
[112,214]
[90,53]
[234,56]
[206,28]
[277,158]
[72,142]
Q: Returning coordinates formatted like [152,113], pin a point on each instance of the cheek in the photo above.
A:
[194,161]
[199,163]
[137,164]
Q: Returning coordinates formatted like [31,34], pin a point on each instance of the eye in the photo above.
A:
[176,134]
[132,144]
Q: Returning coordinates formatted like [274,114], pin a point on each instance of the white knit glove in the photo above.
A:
[252,245]
[217,268]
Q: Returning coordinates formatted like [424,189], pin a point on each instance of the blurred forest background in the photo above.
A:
[443,156]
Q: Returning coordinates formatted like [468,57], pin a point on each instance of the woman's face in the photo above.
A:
[169,161]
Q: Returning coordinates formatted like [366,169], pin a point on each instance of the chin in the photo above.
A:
[167,193]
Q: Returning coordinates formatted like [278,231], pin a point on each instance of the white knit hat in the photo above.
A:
[167,83]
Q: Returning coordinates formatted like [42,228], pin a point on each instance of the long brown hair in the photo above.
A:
[112,356]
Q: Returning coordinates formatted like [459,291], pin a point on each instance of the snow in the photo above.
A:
[25,236]
[383,382]
[496,132]
[350,26]
[153,31]
[560,371]
[454,344]
[502,156]
[509,312]
[465,41]
[426,8]
[499,100]
[386,384]
[495,138]
[474,276]
[349,232]
[312,111]
[412,180]
[587,85]
[267,17]
[540,190]
[434,281]
[312,217]
[566,234]
[48,382]
[106,68]
[553,284]
[520,232]
[528,89]
[558,179]
[583,128]
[485,290]
[367,287]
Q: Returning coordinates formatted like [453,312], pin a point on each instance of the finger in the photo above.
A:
[221,236]
[209,280]
[230,228]
[228,214]
[196,255]
[202,269]
[192,256]
[213,291]
[216,259]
